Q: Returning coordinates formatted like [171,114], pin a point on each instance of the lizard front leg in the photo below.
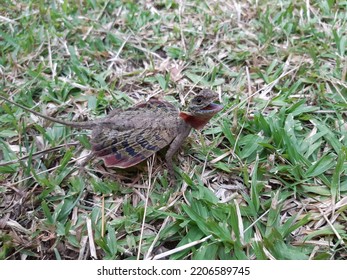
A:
[174,146]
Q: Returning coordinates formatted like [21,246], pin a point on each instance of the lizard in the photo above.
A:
[127,137]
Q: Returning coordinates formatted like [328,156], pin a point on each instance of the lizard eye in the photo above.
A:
[198,100]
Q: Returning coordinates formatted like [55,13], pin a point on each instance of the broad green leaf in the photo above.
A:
[199,219]
[273,218]
[326,231]
[254,186]
[47,212]
[196,79]
[330,137]
[335,184]
[206,252]
[323,164]
[249,145]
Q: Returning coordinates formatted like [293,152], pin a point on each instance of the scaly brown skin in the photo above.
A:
[125,138]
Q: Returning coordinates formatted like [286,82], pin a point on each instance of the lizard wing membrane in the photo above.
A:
[151,127]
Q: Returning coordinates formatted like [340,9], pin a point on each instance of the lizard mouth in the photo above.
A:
[213,107]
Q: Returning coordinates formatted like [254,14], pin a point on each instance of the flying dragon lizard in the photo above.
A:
[125,138]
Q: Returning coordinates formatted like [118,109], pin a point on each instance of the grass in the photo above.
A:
[266,179]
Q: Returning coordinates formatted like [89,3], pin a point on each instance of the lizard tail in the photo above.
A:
[87,125]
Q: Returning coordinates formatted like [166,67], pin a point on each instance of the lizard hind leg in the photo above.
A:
[83,162]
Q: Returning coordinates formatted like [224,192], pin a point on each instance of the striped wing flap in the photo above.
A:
[126,149]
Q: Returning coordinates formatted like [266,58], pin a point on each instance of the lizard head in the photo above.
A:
[201,109]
